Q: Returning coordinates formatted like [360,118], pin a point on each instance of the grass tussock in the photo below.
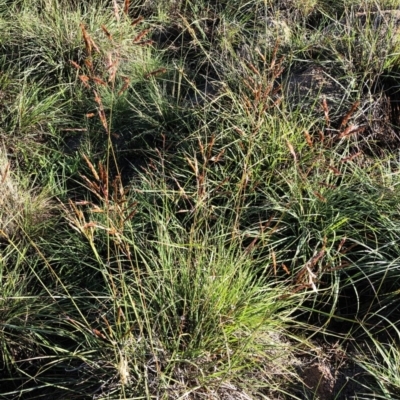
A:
[199,201]
[24,209]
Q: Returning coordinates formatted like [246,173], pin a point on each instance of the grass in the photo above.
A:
[187,212]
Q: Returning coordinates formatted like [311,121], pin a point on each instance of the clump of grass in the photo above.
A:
[168,323]
[24,209]
[379,357]
[171,279]
[247,228]
[195,335]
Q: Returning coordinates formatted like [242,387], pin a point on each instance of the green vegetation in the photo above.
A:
[199,200]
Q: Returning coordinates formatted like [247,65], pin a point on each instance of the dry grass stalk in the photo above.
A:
[285,268]
[273,255]
[261,55]
[342,242]
[126,6]
[84,79]
[351,158]
[75,65]
[91,167]
[112,67]
[137,21]
[89,42]
[263,90]
[210,146]
[139,37]
[116,10]
[239,131]
[346,118]
[103,119]
[254,69]
[327,185]
[92,186]
[350,130]
[274,56]
[101,112]
[4,173]
[218,157]
[308,270]
[113,198]
[108,34]
[125,86]
[132,213]
[103,181]
[99,81]
[308,139]
[88,62]
[320,197]
[326,111]
[189,28]
[334,170]
[291,149]
[86,38]
[156,72]
[148,42]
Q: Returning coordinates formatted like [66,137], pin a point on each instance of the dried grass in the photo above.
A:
[23,210]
